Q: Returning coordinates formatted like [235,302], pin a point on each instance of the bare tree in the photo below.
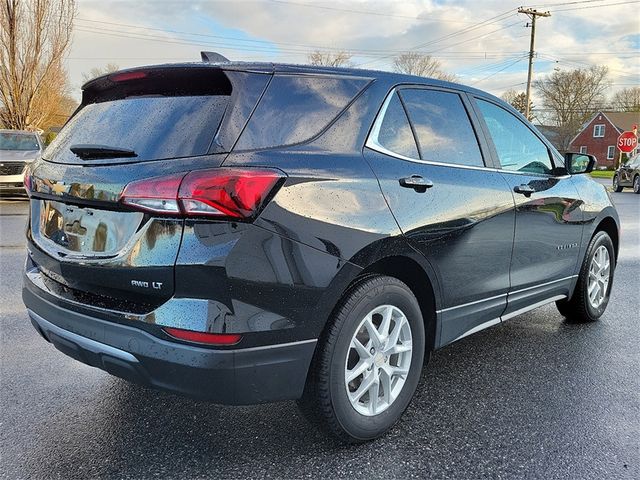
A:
[96,72]
[518,100]
[413,63]
[627,100]
[570,97]
[329,59]
[34,36]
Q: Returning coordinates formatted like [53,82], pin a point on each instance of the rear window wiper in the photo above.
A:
[93,152]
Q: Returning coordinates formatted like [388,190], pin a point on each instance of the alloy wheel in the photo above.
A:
[599,273]
[378,360]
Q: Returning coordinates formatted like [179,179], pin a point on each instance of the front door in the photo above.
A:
[452,208]
[548,229]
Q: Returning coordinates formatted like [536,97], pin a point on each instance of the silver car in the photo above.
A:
[17,149]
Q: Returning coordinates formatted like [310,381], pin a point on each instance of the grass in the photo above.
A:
[602,173]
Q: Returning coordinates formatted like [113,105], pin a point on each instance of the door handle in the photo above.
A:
[418,183]
[525,190]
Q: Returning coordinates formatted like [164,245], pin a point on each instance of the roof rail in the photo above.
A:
[213,57]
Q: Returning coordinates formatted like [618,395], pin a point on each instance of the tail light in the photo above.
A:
[202,337]
[218,193]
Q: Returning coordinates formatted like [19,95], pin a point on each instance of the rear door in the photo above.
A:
[548,231]
[452,206]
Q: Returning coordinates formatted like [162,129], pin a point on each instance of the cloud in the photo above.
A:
[492,55]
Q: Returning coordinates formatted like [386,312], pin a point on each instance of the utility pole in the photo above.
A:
[532,14]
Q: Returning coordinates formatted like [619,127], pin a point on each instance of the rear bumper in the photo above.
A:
[235,377]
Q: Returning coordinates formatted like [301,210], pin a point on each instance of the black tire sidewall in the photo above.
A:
[636,184]
[358,426]
[601,238]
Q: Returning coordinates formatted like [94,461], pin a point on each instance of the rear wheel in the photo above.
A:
[591,296]
[616,184]
[636,184]
[368,364]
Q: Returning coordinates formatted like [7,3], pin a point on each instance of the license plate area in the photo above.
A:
[82,232]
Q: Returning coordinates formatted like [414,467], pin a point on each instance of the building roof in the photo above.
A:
[624,121]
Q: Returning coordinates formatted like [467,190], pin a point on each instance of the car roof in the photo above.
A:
[391,78]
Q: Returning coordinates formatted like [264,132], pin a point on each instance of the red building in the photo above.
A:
[599,136]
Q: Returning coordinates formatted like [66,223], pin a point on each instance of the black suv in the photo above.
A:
[250,233]
[628,175]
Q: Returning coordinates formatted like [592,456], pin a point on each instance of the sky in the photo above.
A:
[484,43]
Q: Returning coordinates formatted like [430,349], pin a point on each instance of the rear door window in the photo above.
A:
[394,133]
[296,108]
[442,127]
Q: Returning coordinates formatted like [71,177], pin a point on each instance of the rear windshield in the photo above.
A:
[155,127]
[18,141]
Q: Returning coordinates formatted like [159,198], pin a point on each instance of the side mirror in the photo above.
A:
[579,162]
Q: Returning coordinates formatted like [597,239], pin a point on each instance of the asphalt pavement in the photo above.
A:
[537,397]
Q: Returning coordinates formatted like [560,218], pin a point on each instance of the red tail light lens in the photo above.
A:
[201,337]
[158,195]
[218,193]
[126,76]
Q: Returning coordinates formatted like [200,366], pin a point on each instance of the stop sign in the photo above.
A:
[627,142]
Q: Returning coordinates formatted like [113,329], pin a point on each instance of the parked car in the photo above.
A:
[628,175]
[17,149]
[247,233]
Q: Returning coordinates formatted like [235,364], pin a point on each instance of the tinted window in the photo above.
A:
[442,127]
[517,147]
[296,108]
[395,132]
[154,127]
[18,141]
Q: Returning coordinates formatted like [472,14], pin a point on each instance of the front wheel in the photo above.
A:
[591,295]
[368,362]
[616,184]
[636,184]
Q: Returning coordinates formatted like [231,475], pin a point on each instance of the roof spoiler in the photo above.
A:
[213,57]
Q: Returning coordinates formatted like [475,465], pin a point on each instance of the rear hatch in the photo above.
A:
[132,125]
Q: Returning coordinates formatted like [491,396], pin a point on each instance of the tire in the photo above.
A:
[581,308]
[636,184]
[326,400]
[616,184]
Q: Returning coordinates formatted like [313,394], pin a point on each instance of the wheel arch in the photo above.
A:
[411,272]
[610,227]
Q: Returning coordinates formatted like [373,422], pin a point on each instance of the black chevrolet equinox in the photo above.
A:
[251,232]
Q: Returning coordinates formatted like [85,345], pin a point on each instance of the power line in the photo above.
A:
[484,23]
[497,72]
[595,6]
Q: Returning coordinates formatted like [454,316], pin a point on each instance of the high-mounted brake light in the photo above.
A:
[202,337]
[237,193]
[126,76]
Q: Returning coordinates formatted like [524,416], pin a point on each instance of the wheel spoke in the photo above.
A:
[362,351]
[398,348]
[364,387]
[374,335]
[358,370]
[385,380]
[395,334]
[374,394]
[386,322]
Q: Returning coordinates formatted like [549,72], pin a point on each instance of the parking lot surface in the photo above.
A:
[536,397]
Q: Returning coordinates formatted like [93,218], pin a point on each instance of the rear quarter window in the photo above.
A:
[296,108]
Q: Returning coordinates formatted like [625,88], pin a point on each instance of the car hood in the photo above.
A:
[18,155]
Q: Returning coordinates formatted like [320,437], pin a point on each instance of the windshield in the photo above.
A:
[18,141]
